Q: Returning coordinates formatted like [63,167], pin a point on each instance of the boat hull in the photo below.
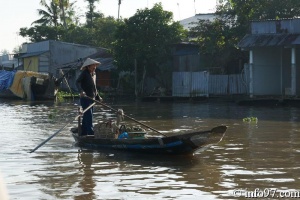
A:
[28,85]
[187,143]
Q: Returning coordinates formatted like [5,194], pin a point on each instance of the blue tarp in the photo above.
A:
[6,79]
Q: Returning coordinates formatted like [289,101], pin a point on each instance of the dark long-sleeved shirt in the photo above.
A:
[86,82]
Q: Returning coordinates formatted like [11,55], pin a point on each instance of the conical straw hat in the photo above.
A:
[88,62]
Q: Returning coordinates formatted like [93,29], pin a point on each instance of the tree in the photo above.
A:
[62,5]
[218,39]
[42,33]
[72,15]
[91,14]
[57,13]
[79,35]
[241,12]
[146,37]
[104,31]
[244,11]
[50,16]
[4,52]
[49,26]
[217,42]
[17,49]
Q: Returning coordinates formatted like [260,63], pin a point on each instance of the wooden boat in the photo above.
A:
[185,143]
[27,85]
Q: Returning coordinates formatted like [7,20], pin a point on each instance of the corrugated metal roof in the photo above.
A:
[182,52]
[264,40]
[26,55]
[187,23]
[106,64]
[282,26]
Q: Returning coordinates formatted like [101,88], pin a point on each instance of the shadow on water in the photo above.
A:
[148,159]
[113,173]
[129,167]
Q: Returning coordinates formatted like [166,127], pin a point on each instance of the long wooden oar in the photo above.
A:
[49,138]
[103,104]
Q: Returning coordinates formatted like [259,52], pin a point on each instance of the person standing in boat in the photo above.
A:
[86,84]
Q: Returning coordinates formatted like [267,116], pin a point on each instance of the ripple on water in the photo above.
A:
[263,155]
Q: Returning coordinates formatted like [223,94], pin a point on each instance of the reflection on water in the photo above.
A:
[251,155]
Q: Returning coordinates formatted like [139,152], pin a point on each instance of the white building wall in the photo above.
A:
[267,71]
[272,71]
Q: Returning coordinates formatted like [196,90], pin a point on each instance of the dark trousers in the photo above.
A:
[87,119]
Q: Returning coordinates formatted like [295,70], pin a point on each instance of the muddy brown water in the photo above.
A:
[259,158]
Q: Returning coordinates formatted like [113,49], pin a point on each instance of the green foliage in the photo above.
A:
[49,16]
[245,11]
[91,14]
[250,119]
[146,37]
[79,35]
[42,33]
[99,36]
[63,4]
[49,26]
[104,31]
[64,94]
[56,13]
[218,39]
[53,113]
[61,95]
[55,17]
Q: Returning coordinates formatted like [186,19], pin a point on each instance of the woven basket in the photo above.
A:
[103,130]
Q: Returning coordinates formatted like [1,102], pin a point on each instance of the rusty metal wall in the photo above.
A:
[103,79]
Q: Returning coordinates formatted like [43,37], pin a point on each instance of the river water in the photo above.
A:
[254,158]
